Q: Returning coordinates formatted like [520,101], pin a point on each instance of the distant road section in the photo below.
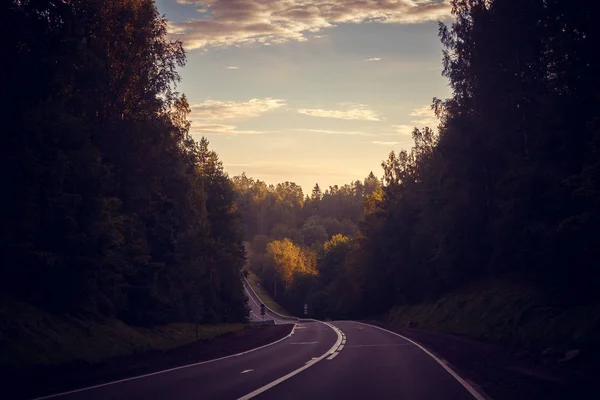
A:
[254,303]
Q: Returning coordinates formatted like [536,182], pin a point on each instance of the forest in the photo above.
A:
[508,184]
[111,209]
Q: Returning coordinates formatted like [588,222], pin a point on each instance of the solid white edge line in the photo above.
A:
[165,370]
[297,371]
[460,380]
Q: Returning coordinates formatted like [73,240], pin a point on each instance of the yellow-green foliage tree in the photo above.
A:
[285,259]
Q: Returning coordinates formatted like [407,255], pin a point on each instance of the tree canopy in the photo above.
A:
[113,208]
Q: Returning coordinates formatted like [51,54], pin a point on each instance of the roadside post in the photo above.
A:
[306,309]
[262,311]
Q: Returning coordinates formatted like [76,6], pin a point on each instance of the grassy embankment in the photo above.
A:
[506,312]
[264,295]
[29,336]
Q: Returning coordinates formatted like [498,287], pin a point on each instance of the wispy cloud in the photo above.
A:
[385,143]
[199,129]
[373,59]
[216,110]
[348,133]
[232,67]
[404,129]
[424,116]
[350,111]
[204,116]
[275,168]
[225,23]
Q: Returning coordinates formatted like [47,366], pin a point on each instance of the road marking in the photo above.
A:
[165,370]
[312,360]
[247,370]
[381,345]
[331,357]
[340,348]
[304,342]
[460,380]
[307,365]
[343,341]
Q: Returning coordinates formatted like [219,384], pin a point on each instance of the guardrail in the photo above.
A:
[275,313]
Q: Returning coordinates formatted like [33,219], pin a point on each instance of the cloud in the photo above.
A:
[349,111]
[216,110]
[350,133]
[199,129]
[404,129]
[231,67]
[330,132]
[385,143]
[276,168]
[223,23]
[424,116]
[204,115]
[373,59]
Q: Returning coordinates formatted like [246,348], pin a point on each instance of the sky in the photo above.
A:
[309,91]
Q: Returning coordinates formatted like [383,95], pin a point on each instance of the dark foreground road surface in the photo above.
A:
[346,360]
[228,378]
[373,364]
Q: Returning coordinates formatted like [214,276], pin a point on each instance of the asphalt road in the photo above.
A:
[254,303]
[373,364]
[228,378]
[345,359]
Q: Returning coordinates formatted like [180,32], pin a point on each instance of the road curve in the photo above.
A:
[229,378]
[373,363]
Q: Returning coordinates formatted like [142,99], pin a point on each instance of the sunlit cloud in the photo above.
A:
[232,67]
[373,59]
[204,116]
[424,116]
[274,168]
[385,143]
[404,129]
[199,129]
[223,23]
[348,133]
[215,110]
[349,111]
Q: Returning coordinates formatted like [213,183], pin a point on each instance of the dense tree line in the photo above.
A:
[509,183]
[110,207]
[293,240]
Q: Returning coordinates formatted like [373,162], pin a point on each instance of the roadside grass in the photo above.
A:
[30,336]
[264,295]
[507,312]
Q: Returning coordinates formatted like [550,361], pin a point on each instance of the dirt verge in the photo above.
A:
[45,380]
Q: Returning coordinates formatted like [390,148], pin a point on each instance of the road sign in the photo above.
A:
[305,309]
